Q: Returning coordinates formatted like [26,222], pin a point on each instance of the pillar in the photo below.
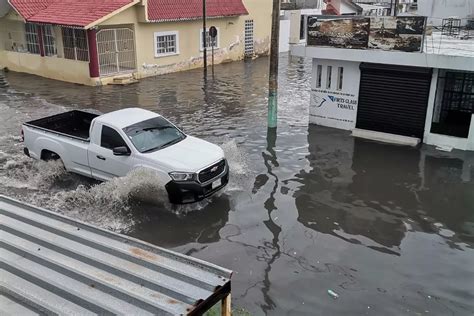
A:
[93,55]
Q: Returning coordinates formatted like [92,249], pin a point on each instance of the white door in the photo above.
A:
[104,164]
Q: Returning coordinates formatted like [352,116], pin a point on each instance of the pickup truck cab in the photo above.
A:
[113,144]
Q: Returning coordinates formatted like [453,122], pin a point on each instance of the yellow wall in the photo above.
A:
[231,38]
[49,67]
[231,44]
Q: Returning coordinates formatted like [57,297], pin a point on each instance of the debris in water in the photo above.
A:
[333,294]
[444,148]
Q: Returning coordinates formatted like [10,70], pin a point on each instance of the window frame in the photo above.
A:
[32,39]
[49,40]
[340,78]
[81,51]
[218,40]
[113,130]
[328,77]
[319,76]
[167,33]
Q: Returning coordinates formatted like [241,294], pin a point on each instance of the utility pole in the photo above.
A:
[273,76]
[204,37]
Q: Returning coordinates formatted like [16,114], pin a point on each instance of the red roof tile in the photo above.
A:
[66,12]
[172,10]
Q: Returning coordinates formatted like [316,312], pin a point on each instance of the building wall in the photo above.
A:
[230,38]
[231,44]
[437,10]
[332,107]
[49,67]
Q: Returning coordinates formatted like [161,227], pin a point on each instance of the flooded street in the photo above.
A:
[308,209]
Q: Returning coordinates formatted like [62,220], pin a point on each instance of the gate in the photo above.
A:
[116,50]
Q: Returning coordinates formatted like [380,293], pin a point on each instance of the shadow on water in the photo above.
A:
[370,193]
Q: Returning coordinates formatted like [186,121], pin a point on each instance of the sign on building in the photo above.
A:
[386,33]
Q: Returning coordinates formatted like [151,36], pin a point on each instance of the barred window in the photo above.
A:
[75,44]
[49,41]
[32,41]
[208,40]
[166,43]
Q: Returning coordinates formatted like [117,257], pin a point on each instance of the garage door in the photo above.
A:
[393,99]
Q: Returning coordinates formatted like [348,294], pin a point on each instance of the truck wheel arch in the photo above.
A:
[48,155]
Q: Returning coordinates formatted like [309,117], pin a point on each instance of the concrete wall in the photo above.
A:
[439,9]
[284,45]
[332,107]
[49,67]
[231,44]
[230,38]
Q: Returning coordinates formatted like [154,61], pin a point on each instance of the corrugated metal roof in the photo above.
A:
[56,265]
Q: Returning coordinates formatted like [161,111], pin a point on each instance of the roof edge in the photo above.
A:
[197,18]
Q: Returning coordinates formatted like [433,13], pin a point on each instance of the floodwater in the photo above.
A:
[308,209]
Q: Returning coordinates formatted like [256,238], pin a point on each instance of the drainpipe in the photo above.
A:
[39,33]
[93,56]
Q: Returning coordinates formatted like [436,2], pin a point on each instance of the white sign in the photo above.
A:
[333,108]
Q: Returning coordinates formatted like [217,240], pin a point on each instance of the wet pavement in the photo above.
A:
[308,209]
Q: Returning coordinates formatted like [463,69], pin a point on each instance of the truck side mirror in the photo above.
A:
[121,151]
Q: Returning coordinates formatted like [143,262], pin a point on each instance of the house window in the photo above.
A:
[340,77]
[208,39]
[49,41]
[75,44]
[166,43]
[32,41]
[319,75]
[329,76]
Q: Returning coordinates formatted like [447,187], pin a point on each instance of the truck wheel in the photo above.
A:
[47,155]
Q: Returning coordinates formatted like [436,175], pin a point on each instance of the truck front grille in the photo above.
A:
[211,172]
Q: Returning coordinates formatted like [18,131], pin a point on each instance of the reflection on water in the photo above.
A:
[389,228]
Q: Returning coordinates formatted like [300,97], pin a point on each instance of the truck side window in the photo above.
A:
[110,138]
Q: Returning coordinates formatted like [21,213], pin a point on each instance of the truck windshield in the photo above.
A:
[153,134]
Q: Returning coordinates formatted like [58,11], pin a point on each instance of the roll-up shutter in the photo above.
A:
[393,99]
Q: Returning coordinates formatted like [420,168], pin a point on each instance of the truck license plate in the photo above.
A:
[215,184]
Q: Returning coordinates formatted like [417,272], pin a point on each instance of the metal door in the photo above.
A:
[393,99]
[116,49]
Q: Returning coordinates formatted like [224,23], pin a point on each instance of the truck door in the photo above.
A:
[104,164]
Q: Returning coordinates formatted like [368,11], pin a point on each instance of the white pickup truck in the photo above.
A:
[113,144]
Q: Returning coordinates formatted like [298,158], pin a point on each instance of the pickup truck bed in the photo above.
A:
[73,123]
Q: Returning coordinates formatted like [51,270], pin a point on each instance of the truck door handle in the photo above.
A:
[100,157]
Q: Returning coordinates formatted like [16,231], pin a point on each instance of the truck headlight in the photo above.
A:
[182,176]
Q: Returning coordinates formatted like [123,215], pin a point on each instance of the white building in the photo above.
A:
[386,79]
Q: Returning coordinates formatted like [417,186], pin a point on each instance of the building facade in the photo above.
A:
[95,43]
[385,78]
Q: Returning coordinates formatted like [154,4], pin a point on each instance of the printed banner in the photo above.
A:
[386,33]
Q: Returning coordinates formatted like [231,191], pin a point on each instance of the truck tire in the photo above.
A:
[48,155]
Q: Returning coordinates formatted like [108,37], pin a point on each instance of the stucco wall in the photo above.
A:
[49,67]
[332,107]
[231,38]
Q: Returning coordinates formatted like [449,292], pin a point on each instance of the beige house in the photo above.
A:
[95,42]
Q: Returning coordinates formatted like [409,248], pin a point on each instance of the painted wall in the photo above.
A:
[231,44]
[230,38]
[49,67]
[284,39]
[332,107]
[439,9]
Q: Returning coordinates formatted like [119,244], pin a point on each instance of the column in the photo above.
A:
[93,56]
